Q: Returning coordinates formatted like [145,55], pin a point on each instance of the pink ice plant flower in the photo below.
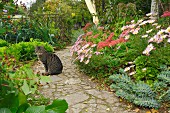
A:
[149,48]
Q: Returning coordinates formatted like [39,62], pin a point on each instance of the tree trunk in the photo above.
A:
[92,8]
[154,9]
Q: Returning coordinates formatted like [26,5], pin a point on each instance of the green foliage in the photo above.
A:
[3,43]
[58,106]
[9,105]
[24,51]
[17,81]
[152,64]
[141,93]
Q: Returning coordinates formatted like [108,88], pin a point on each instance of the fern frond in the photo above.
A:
[147,102]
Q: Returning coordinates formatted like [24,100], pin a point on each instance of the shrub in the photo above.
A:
[147,51]
[24,51]
[3,43]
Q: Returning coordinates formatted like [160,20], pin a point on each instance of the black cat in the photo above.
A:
[52,63]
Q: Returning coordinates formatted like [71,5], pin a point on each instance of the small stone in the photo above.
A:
[52,86]
[72,81]
[46,86]
[108,109]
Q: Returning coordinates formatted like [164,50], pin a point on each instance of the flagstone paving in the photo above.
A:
[79,91]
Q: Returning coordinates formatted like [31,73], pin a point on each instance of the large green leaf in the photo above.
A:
[5,110]
[58,106]
[10,101]
[22,108]
[36,109]
[22,98]
[25,88]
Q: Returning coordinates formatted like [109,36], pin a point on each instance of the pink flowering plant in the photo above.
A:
[151,40]
[144,42]
[91,49]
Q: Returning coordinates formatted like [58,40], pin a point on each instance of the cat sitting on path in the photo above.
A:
[51,61]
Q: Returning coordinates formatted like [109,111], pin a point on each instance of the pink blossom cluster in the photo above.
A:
[166,14]
[88,25]
[110,42]
[161,35]
[83,50]
[149,48]
[158,38]
[77,45]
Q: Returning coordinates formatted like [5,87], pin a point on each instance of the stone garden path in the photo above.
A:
[79,91]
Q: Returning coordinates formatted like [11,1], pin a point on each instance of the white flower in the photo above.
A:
[139,21]
[94,45]
[87,61]
[144,36]
[132,66]
[143,23]
[151,21]
[149,48]
[167,30]
[149,31]
[124,27]
[85,46]
[136,30]
[164,36]
[144,69]
[151,40]
[127,37]
[168,40]
[161,32]
[81,58]
[132,73]
[158,27]
[155,24]
[130,62]
[132,21]
[132,26]
[149,14]
[127,69]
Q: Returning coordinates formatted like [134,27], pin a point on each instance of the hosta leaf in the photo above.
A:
[58,106]
[22,98]
[36,109]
